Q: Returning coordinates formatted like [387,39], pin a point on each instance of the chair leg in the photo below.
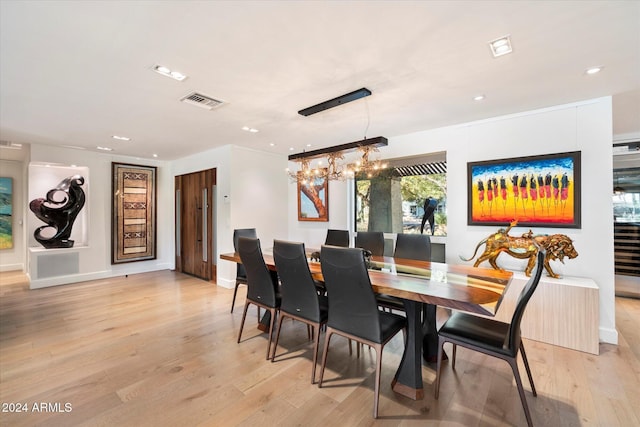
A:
[439,365]
[235,292]
[315,353]
[376,396]
[275,346]
[526,365]
[514,367]
[271,323]
[325,350]
[453,361]
[244,315]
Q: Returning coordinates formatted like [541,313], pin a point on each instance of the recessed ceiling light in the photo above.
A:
[271,144]
[308,145]
[500,46]
[478,97]
[105,148]
[594,70]
[121,138]
[248,129]
[291,148]
[155,155]
[165,71]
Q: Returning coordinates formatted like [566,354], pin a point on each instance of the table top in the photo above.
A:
[461,287]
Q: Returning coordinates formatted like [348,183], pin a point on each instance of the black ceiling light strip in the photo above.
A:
[343,99]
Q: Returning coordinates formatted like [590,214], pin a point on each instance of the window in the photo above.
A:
[395,200]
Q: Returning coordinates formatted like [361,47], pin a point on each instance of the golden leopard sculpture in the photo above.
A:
[557,247]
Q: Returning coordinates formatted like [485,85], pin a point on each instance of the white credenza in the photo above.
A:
[563,312]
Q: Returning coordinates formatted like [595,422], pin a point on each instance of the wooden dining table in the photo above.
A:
[422,284]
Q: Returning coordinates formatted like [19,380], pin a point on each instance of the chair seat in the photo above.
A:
[389,301]
[390,324]
[487,334]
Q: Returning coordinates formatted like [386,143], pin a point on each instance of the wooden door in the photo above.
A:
[194,223]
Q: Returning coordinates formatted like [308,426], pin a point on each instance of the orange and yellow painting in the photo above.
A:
[539,191]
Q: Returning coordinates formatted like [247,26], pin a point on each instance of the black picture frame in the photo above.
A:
[547,193]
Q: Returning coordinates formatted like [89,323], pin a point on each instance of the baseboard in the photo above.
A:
[226,283]
[11,267]
[608,335]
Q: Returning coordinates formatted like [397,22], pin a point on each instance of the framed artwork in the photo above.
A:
[6,213]
[313,199]
[133,233]
[537,191]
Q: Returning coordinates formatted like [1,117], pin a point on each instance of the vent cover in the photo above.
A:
[202,101]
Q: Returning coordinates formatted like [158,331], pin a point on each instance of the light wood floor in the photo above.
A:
[159,349]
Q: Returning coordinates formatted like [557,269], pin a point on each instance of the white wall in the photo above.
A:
[251,192]
[585,127]
[95,259]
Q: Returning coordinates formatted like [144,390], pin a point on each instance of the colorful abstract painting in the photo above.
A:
[6,213]
[539,191]
[134,213]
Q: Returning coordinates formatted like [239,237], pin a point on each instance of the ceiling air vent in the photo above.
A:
[202,101]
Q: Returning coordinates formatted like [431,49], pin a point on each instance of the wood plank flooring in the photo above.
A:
[159,349]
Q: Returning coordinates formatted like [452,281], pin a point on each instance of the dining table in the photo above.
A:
[422,286]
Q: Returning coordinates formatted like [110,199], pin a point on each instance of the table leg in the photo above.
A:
[430,334]
[408,378]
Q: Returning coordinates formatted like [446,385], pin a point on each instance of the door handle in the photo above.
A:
[205,206]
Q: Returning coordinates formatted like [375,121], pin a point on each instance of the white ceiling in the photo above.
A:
[76,73]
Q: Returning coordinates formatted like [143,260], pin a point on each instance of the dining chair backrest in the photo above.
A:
[260,281]
[337,238]
[299,293]
[413,246]
[237,233]
[513,337]
[372,241]
[352,303]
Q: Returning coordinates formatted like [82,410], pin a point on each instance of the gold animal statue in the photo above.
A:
[557,247]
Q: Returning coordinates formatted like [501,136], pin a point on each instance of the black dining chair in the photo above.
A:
[300,299]
[241,274]
[337,238]
[491,337]
[413,246]
[262,284]
[373,241]
[353,309]
[408,246]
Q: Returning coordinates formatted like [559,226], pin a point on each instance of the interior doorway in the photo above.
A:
[194,223]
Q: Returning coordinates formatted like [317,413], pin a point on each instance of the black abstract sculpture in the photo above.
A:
[430,205]
[59,214]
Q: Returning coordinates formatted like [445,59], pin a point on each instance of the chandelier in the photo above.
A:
[334,170]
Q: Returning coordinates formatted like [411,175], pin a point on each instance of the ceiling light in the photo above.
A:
[121,138]
[291,148]
[478,97]
[155,155]
[500,46]
[248,129]
[161,69]
[105,148]
[342,99]
[594,70]
[271,144]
